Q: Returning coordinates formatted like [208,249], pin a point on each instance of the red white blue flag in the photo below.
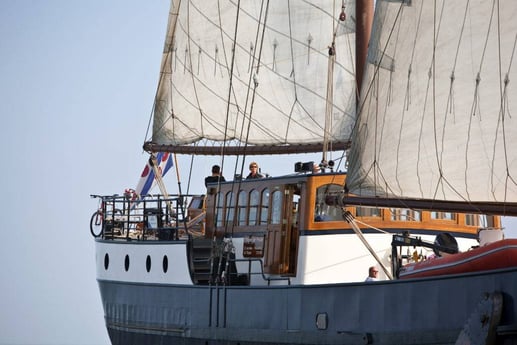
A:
[147,179]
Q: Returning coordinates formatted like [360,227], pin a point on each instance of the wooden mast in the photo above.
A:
[364,18]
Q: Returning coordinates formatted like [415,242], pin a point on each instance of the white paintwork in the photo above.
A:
[343,258]
[322,259]
[338,258]
[177,272]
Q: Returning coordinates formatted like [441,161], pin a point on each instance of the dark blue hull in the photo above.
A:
[420,311]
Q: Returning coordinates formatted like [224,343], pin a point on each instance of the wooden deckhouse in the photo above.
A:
[271,213]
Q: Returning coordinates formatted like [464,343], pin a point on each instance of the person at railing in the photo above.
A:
[372,274]
[216,176]
[254,171]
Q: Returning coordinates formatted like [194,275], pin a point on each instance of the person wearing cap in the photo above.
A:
[254,171]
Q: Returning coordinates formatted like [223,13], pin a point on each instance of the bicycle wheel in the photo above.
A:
[96,223]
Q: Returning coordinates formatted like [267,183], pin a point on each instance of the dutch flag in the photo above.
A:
[147,180]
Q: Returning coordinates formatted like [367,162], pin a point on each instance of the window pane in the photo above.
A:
[472,219]
[264,206]
[404,215]
[276,207]
[219,215]
[242,208]
[367,212]
[254,203]
[322,211]
[230,208]
[443,215]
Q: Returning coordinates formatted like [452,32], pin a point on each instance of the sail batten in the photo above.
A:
[436,110]
[255,73]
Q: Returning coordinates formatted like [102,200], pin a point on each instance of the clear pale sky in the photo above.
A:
[77,81]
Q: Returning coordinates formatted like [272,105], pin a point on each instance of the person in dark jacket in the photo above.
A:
[254,171]
[216,176]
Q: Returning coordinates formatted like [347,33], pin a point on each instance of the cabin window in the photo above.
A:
[276,207]
[230,208]
[443,215]
[296,202]
[472,219]
[264,205]
[322,211]
[196,202]
[254,204]
[405,215]
[241,210]
[368,212]
[219,207]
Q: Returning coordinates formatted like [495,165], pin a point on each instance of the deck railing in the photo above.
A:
[151,218]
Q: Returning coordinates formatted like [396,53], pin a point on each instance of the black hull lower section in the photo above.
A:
[124,337]
[419,311]
[118,336]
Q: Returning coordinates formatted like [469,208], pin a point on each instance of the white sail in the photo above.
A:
[233,65]
[438,116]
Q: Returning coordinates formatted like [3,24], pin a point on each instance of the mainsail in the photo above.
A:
[255,73]
[438,113]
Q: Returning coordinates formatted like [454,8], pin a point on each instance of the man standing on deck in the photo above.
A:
[372,274]
[216,176]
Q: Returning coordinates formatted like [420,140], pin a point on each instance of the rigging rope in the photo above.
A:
[351,220]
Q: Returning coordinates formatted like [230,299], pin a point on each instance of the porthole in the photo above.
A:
[165,264]
[148,263]
[126,263]
[106,261]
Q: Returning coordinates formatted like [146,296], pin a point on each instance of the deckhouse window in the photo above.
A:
[264,205]
[367,212]
[219,209]
[242,203]
[443,215]
[322,211]
[472,219]
[276,207]
[230,208]
[254,204]
[405,215]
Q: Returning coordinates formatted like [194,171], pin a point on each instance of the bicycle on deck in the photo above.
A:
[104,211]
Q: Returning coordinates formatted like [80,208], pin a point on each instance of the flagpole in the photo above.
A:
[177,173]
[176,166]
[159,181]
[161,185]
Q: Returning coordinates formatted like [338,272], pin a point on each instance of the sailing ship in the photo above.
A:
[419,100]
